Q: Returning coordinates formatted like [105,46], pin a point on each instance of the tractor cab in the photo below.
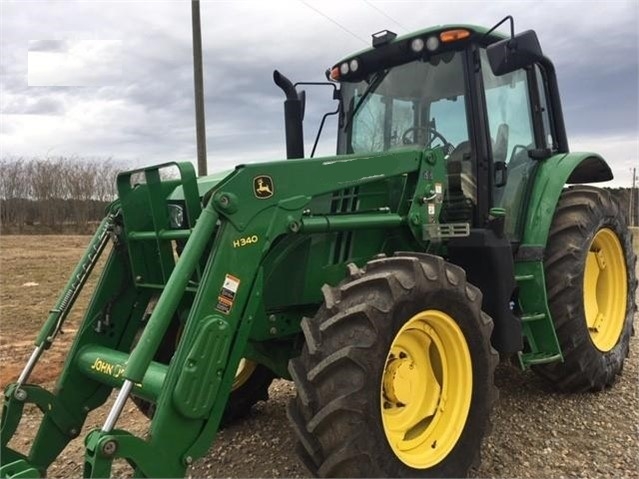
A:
[436,88]
[490,104]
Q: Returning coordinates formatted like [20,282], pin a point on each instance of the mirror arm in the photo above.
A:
[336,96]
[555,103]
[512,27]
[319,131]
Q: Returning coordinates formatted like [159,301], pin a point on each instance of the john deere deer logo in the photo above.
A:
[263,187]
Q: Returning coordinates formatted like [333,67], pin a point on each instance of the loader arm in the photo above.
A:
[216,288]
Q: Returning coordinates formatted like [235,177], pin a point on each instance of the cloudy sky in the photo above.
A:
[114,78]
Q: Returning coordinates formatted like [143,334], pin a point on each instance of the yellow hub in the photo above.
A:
[426,389]
[605,289]
[244,371]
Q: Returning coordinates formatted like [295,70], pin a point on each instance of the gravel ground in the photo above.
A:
[537,433]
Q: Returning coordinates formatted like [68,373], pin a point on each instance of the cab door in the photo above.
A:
[518,122]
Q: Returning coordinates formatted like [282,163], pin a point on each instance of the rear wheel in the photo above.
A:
[590,277]
[396,377]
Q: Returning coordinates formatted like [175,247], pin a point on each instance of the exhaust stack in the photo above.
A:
[293,116]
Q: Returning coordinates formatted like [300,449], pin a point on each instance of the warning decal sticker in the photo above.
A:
[227,294]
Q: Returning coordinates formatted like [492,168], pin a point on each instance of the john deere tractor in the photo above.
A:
[385,281]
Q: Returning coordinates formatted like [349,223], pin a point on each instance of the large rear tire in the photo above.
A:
[591,280]
[396,375]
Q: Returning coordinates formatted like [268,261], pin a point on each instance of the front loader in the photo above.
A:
[385,281]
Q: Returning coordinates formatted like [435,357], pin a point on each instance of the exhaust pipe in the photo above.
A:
[293,116]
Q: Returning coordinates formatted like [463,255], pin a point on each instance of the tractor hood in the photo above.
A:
[204,184]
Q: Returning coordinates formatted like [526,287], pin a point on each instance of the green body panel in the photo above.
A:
[203,369]
[552,176]
[204,185]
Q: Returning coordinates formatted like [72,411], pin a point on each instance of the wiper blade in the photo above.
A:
[371,86]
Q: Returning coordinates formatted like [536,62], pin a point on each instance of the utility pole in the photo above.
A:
[198,80]
[632,208]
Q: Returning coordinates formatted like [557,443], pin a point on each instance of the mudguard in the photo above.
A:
[553,174]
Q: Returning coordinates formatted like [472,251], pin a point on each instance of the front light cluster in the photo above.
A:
[433,42]
[418,44]
[389,52]
[349,67]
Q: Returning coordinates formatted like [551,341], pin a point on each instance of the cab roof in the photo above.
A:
[397,49]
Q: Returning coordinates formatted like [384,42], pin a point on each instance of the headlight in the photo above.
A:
[432,43]
[417,45]
[176,217]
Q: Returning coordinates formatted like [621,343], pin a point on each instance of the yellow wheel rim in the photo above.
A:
[605,290]
[426,389]
[244,371]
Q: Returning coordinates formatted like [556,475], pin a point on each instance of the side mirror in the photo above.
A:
[511,54]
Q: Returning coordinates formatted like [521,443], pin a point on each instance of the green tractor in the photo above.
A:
[385,281]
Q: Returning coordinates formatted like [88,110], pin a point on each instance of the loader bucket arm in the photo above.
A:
[214,289]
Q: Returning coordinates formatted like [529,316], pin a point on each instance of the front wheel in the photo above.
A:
[396,377]
[250,385]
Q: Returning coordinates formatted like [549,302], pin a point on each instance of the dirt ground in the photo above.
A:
[33,270]
[537,433]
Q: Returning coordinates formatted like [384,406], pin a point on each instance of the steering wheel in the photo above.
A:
[415,130]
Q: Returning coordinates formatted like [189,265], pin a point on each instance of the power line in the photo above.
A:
[385,14]
[335,23]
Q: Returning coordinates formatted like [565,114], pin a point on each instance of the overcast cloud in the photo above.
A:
[114,79]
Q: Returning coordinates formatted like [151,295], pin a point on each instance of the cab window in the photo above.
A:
[418,103]
[510,124]
[509,114]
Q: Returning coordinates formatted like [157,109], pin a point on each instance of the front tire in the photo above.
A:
[396,376]
[590,278]
[250,386]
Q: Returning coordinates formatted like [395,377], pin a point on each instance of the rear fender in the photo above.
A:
[553,174]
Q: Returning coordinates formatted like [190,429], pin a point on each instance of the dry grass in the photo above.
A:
[33,271]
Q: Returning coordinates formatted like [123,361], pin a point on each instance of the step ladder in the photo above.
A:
[537,324]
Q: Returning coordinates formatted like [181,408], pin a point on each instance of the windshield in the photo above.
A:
[418,103]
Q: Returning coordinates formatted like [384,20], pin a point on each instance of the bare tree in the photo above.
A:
[14,191]
[55,192]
